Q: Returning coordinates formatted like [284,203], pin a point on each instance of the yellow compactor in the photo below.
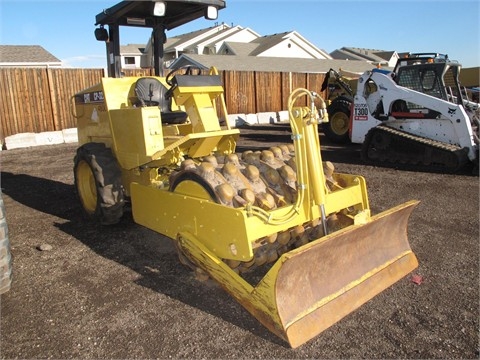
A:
[281,212]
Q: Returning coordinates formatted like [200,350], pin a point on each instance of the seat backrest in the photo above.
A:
[150,92]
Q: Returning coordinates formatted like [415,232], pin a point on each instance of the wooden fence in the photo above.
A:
[39,99]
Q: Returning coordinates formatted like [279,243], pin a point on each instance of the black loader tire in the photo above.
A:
[336,129]
[5,254]
[98,183]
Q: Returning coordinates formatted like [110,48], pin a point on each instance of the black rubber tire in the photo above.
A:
[193,176]
[340,106]
[5,254]
[476,165]
[107,197]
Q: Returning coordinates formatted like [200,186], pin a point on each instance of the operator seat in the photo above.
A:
[151,92]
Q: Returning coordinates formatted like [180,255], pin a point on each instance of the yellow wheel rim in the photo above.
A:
[339,123]
[86,187]
[192,188]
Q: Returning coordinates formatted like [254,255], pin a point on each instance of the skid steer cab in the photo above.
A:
[291,239]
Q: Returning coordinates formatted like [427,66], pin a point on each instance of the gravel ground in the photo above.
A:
[120,292]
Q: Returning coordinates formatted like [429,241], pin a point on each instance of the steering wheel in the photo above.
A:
[189,70]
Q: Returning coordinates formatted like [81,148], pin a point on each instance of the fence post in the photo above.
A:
[51,91]
[290,82]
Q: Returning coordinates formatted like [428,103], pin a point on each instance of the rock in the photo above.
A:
[45,247]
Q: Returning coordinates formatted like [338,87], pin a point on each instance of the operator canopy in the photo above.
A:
[157,15]
[168,13]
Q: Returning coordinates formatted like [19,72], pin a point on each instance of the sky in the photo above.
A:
[65,27]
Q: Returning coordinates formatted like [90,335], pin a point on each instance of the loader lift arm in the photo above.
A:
[338,79]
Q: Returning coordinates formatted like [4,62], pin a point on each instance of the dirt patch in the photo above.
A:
[120,292]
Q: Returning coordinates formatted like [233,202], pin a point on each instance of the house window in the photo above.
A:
[129,60]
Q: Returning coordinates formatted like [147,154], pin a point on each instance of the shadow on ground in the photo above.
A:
[149,254]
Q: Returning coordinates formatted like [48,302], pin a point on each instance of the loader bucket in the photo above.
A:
[312,287]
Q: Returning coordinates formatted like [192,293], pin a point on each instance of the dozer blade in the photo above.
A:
[311,288]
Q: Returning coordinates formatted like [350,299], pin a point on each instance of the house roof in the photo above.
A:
[353,53]
[386,55]
[266,42]
[241,49]
[188,43]
[132,49]
[211,39]
[184,38]
[345,55]
[254,63]
[24,54]
[269,41]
